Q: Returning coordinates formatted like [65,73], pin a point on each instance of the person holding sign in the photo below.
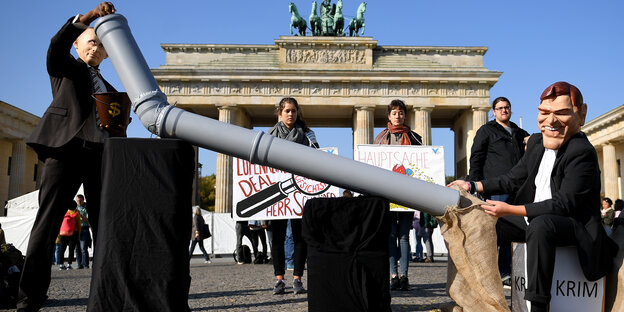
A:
[557,187]
[293,128]
[397,133]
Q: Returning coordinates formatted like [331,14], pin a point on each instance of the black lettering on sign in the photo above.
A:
[519,282]
[576,289]
[587,292]
[559,291]
[571,285]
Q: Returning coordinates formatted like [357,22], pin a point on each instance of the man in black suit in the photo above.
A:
[557,183]
[69,140]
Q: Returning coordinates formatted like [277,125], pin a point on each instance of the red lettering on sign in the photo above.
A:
[287,209]
[262,182]
[242,167]
[246,187]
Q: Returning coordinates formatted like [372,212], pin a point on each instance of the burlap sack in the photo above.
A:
[614,290]
[473,280]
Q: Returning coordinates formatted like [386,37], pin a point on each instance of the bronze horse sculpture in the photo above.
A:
[339,20]
[358,22]
[315,21]
[296,20]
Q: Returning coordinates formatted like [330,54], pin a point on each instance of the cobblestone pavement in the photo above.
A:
[225,286]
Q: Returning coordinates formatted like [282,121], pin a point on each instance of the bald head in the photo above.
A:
[89,48]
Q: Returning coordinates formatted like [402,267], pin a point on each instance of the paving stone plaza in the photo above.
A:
[225,286]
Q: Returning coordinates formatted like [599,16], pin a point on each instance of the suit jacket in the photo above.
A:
[71,91]
[575,186]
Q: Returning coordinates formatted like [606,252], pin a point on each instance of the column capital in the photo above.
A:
[227,107]
[428,109]
[364,107]
[481,108]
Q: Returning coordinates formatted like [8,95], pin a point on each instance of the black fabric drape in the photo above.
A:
[141,257]
[347,253]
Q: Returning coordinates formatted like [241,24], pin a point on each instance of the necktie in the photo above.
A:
[98,86]
[96,80]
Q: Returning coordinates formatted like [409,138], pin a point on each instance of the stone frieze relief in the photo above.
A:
[324,89]
[334,56]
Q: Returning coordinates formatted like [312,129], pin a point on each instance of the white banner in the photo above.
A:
[265,193]
[419,161]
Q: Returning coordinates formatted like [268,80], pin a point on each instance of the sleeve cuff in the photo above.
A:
[77,23]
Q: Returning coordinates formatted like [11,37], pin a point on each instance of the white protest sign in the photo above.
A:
[570,289]
[419,161]
[265,193]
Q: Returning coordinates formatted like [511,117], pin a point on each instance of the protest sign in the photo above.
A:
[418,161]
[265,193]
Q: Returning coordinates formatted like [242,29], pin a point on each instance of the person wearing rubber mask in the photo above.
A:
[69,141]
[557,187]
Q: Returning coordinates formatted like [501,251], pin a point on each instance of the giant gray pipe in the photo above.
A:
[150,105]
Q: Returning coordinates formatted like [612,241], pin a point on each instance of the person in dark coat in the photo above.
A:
[198,234]
[68,140]
[497,147]
[557,183]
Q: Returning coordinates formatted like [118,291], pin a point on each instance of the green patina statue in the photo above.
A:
[296,20]
[315,21]
[358,21]
[331,21]
[327,18]
[339,20]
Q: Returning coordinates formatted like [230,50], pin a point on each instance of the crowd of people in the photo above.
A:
[544,188]
[288,249]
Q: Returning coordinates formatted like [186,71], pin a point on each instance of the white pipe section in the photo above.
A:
[150,105]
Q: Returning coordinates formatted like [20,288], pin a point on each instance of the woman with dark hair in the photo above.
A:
[397,133]
[607,213]
[198,235]
[293,128]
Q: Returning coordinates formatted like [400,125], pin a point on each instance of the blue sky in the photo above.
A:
[534,43]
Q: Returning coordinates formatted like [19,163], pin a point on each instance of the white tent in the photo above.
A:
[22,211]
[24,205]
[18,223]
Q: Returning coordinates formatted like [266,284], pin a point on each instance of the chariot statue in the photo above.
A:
[330,22]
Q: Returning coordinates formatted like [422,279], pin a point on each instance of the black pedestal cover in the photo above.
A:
[348,266]
[141,253]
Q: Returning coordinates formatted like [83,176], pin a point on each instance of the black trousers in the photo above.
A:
[277,253]
[242,229]
[258,236]
[542,235]
[65,169]
[72,242]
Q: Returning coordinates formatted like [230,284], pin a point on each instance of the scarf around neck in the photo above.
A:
[384,136]
[295,134]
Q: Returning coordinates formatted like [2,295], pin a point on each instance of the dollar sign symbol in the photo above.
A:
[114,111]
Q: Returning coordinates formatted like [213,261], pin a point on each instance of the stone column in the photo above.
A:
[223,183]
[610,171]
[363,125]
[421,123]
[479,118]
[18,165]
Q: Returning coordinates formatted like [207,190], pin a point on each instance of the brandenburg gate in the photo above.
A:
[338,81]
